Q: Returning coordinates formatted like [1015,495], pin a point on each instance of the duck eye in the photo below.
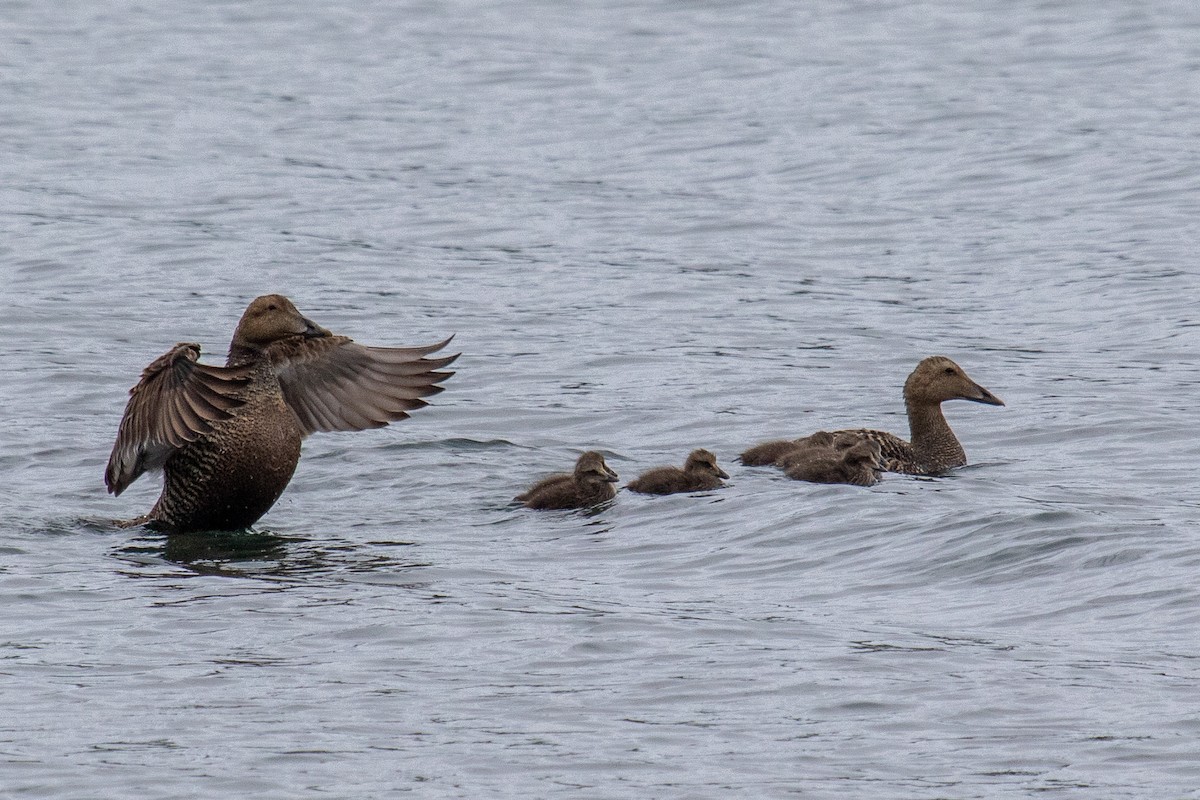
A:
[272,307]
[949,370]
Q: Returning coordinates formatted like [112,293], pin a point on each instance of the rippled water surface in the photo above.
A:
[653,227]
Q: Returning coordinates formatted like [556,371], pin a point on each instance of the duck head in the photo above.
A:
[270,318]
[937,379]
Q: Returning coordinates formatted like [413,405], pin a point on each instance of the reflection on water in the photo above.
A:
[234,553]
[265,554]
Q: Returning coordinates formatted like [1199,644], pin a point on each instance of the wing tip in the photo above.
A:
[113,483]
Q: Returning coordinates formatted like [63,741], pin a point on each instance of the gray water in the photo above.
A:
[653,227]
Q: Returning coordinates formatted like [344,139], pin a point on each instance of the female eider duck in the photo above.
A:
[700,473]
[859,465]
[228,438]
[933,447]
[590,484]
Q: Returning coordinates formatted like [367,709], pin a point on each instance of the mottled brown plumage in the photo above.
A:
[228,438]
[590,484]
[933,447]
[700,473]
[769,453]
[820,443]
[858,465]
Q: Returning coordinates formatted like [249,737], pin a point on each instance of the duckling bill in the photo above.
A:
[228,438]
[700,473]
[590,484]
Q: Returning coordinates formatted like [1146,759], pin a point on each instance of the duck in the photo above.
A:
[700,473]
[227,439]
[769,453]
[590,484]
[932,448]
[859,465]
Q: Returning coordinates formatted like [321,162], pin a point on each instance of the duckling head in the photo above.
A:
[590,468]
[867,452]
[705,462]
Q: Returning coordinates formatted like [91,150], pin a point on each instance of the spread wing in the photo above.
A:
[177,400]
[333,383]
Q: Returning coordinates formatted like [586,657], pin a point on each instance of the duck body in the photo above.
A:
[228,438]
[700,473]
[900,456]
[230,477]
[933,448]
[591,483]
[858,465]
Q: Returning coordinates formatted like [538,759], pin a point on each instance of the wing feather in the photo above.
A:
[176,401]
[332,383]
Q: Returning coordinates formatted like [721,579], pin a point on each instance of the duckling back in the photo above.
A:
[700,473]
[590,484]
[768,453]
[858,465]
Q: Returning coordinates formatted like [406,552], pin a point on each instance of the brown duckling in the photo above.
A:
[590,484]
[228,438]
[859,465]
[933,447]
[700,473]
[768,453]
[820,443]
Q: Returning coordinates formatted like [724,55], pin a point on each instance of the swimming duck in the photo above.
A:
[768,453]
[859,465]
[228,438]
[590,484]
[933,447]
[700,473]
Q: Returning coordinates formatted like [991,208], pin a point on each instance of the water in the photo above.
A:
[653,227]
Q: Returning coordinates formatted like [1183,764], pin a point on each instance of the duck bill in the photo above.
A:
[985,397]
[610,476]
[314,331]
[722,473]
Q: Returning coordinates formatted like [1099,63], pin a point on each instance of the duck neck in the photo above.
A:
[240,354]
[934,445]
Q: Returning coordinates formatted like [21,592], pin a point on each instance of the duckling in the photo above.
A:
[228,438]
[933,447]
[768,453]
[700,473]
[820,443]
[590,484]
[859,465]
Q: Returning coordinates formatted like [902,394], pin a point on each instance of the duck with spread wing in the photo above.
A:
[228,438]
